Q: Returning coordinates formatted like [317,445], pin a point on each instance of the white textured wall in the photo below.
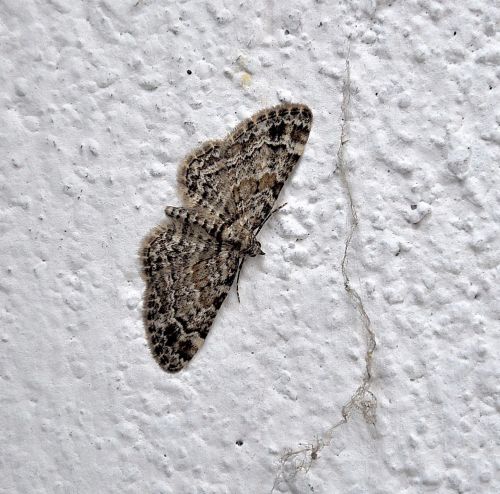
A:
[96,111]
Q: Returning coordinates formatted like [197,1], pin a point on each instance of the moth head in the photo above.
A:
[255,249]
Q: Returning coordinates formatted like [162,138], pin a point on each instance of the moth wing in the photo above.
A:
[239,178]
[188,275]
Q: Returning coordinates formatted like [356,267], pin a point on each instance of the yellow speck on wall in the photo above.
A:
[246,79]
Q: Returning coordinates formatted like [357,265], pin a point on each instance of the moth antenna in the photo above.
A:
[275,210]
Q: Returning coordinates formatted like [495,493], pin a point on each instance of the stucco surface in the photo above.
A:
[100,101]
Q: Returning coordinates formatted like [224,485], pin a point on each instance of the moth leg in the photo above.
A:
[238,279]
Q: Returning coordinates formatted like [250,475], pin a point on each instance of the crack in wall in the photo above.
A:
[294,461]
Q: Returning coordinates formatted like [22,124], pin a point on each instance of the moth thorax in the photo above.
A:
[244,241]
[250,246]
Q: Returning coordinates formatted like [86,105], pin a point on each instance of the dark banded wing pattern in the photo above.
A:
[240,177]
[188,275]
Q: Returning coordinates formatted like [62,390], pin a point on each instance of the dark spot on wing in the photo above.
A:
[276,131]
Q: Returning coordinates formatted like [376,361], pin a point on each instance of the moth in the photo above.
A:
[228,189]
